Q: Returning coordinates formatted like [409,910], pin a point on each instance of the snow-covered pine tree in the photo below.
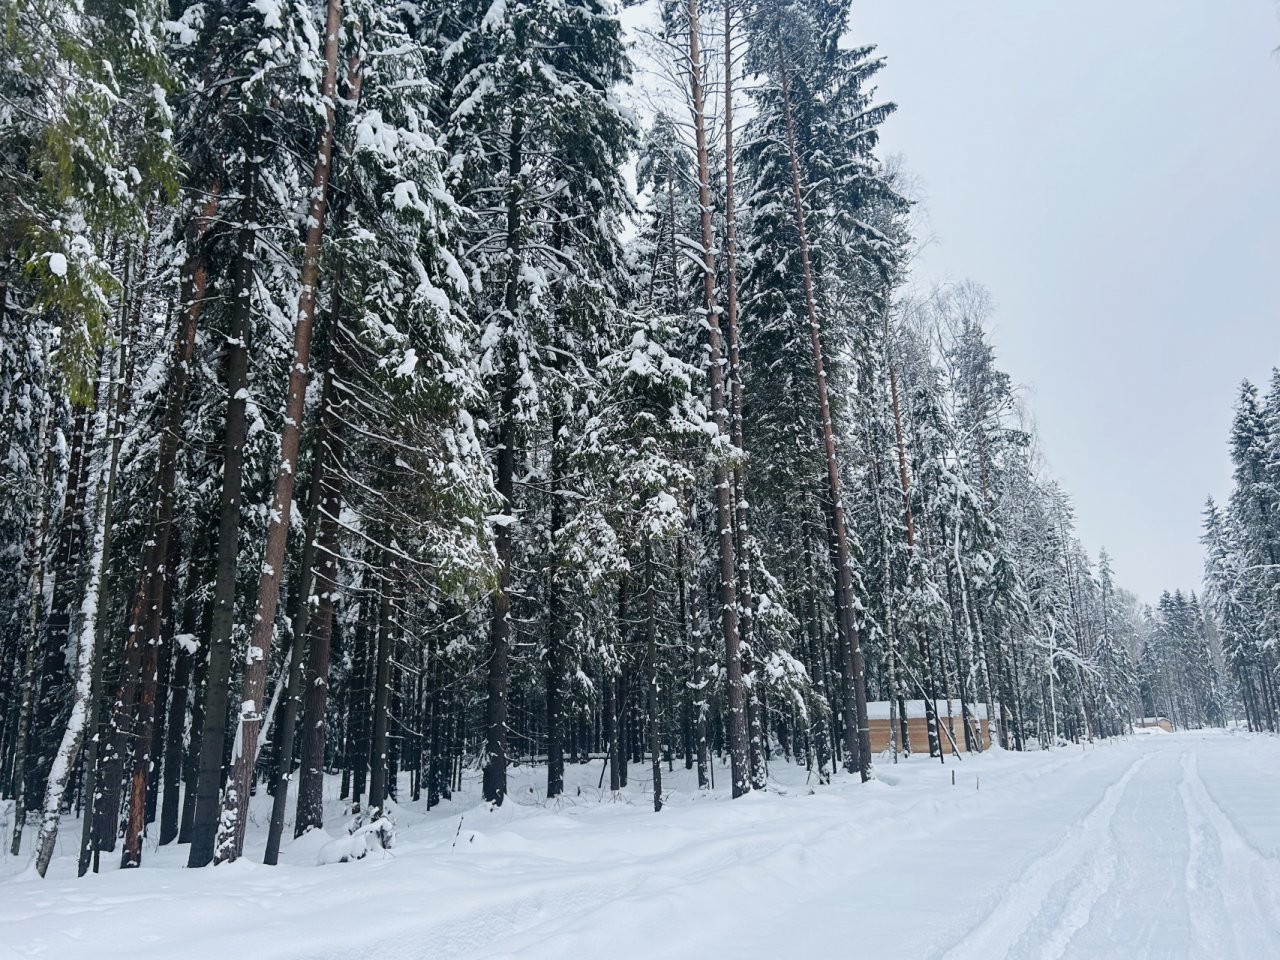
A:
[531,86]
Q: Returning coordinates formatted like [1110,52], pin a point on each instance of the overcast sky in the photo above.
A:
[1110,171]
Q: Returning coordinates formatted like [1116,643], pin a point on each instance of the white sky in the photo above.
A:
[1110,171]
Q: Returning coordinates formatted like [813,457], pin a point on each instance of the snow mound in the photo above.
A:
[357,844]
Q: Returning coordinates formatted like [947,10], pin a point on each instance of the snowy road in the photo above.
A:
[1156,847]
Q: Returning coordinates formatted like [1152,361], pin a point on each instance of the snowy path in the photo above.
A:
[1160,846]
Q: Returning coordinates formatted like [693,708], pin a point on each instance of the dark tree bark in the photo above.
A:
[210,772]
[317,587]
[164,679]
[143,737]
[814,636]
[34,551]
[651,658]
[611,730]
[438,758]
[622,686]
[495,764]
[185,651]
[363,668]
[555,626]
[200,678]
[287,724]
[381,697]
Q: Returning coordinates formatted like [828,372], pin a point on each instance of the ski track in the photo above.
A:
[1026,899]
[1241,880]
[1126,850]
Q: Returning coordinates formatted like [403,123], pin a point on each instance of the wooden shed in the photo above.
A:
[1149,723]
[878,714]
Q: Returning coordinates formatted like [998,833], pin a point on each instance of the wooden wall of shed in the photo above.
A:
[918,732]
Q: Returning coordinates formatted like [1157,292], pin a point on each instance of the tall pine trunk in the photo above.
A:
[851,641]
[737,720]
[236,799]
[555,627]
[651,663]
[326,505]
[209,767]
[499,678]
[741,505]
[381,695]
[310,811]
[185,650]
[287,729]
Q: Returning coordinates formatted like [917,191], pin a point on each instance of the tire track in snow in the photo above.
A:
[1222,859]
[1203,872]
[1098,874]
[1025,898]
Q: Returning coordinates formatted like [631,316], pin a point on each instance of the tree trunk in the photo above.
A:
[622,690]
[495,764]
[91,785]
[326,505]
[358,699]
[701,683]
[381,697]
[737,725]
[90,647]
[651,657]
[235,802]
[310,812]
[852,641]
[199,698]
[611,728]
[35,549]
[436,749]
[813,630]
[555,626]
[741,505]
[210,772]
[68,548]
[185,650]
[143,734]
[68,752]
[289,720]
[164,676]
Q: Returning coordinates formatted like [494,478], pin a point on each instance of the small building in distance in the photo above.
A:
[878,714]
[1153,723]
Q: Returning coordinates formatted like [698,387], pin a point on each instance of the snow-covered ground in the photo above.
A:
[1158,846]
